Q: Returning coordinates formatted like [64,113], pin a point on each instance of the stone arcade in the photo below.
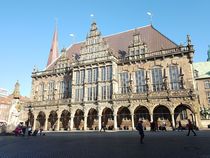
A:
[117,79]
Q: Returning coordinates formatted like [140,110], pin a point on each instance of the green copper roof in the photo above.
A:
[203,69]
[208,53]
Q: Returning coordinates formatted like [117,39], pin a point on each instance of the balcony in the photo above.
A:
[184,93]
[51,102]
[158,54]
[51,72]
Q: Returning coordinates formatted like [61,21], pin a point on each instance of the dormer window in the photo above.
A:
[136,38]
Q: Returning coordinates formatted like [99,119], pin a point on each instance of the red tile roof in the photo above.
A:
[154,40]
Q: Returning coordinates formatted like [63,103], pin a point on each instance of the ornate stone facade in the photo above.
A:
[118,79]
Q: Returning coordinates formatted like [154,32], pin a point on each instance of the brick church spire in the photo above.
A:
[53,55]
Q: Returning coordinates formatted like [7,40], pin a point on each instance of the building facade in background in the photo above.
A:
[117,80]
[202,78]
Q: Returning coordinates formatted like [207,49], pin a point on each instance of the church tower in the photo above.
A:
[53,55]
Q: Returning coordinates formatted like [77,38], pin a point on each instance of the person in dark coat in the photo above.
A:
[180,126]
[139,127]
[190,128]
[103,127]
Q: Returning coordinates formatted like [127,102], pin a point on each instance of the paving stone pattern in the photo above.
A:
[107,145]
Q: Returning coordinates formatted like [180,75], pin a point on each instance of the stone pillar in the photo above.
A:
[46,123]
[115,122]
[173,121]
[72,123]
[196,120]
[58,124]
[85,122]
[34,125]
[132,121]
[99,122]
[151,117]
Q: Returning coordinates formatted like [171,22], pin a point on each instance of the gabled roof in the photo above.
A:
[203,69]
[154,40]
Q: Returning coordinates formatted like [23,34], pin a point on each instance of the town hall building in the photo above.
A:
[115,80]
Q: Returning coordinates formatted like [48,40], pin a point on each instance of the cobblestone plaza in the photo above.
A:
[109,144]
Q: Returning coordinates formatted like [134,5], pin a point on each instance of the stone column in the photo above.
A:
[151,117]
[72,123]
[173,121]
[46,123]
[99,122]
[115,122]
[34,125]
[132,121]
[196,119]
[85,122]
[58,124]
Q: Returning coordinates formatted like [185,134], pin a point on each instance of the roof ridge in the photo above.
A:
[71,45]
[163,35]
[126,31]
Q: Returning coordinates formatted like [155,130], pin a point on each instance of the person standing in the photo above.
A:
[139,127]
[103,127]
[180,126]
[190,128]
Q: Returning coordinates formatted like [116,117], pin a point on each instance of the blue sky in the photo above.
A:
[26,28]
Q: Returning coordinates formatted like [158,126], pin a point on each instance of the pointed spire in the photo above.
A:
[54,48]
[208,53]
[16,92]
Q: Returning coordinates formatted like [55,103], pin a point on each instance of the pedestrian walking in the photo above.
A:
[180,126]
[103,127]
[190,128]
[139,127]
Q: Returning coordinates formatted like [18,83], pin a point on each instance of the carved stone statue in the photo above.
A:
[16,92]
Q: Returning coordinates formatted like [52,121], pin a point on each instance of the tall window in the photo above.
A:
[106,92]
[89,75]
[77,77]
[103,73]
[95,74]
[41,89]
[124,82]
[157,79]
[61,89]
[208,97]
[79,94]
[106,73]
[207,84]
[92,93]
[140,81]
[69,88]
[51,89]
[109,73]
[174,77]
[89,93]
[82,76]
